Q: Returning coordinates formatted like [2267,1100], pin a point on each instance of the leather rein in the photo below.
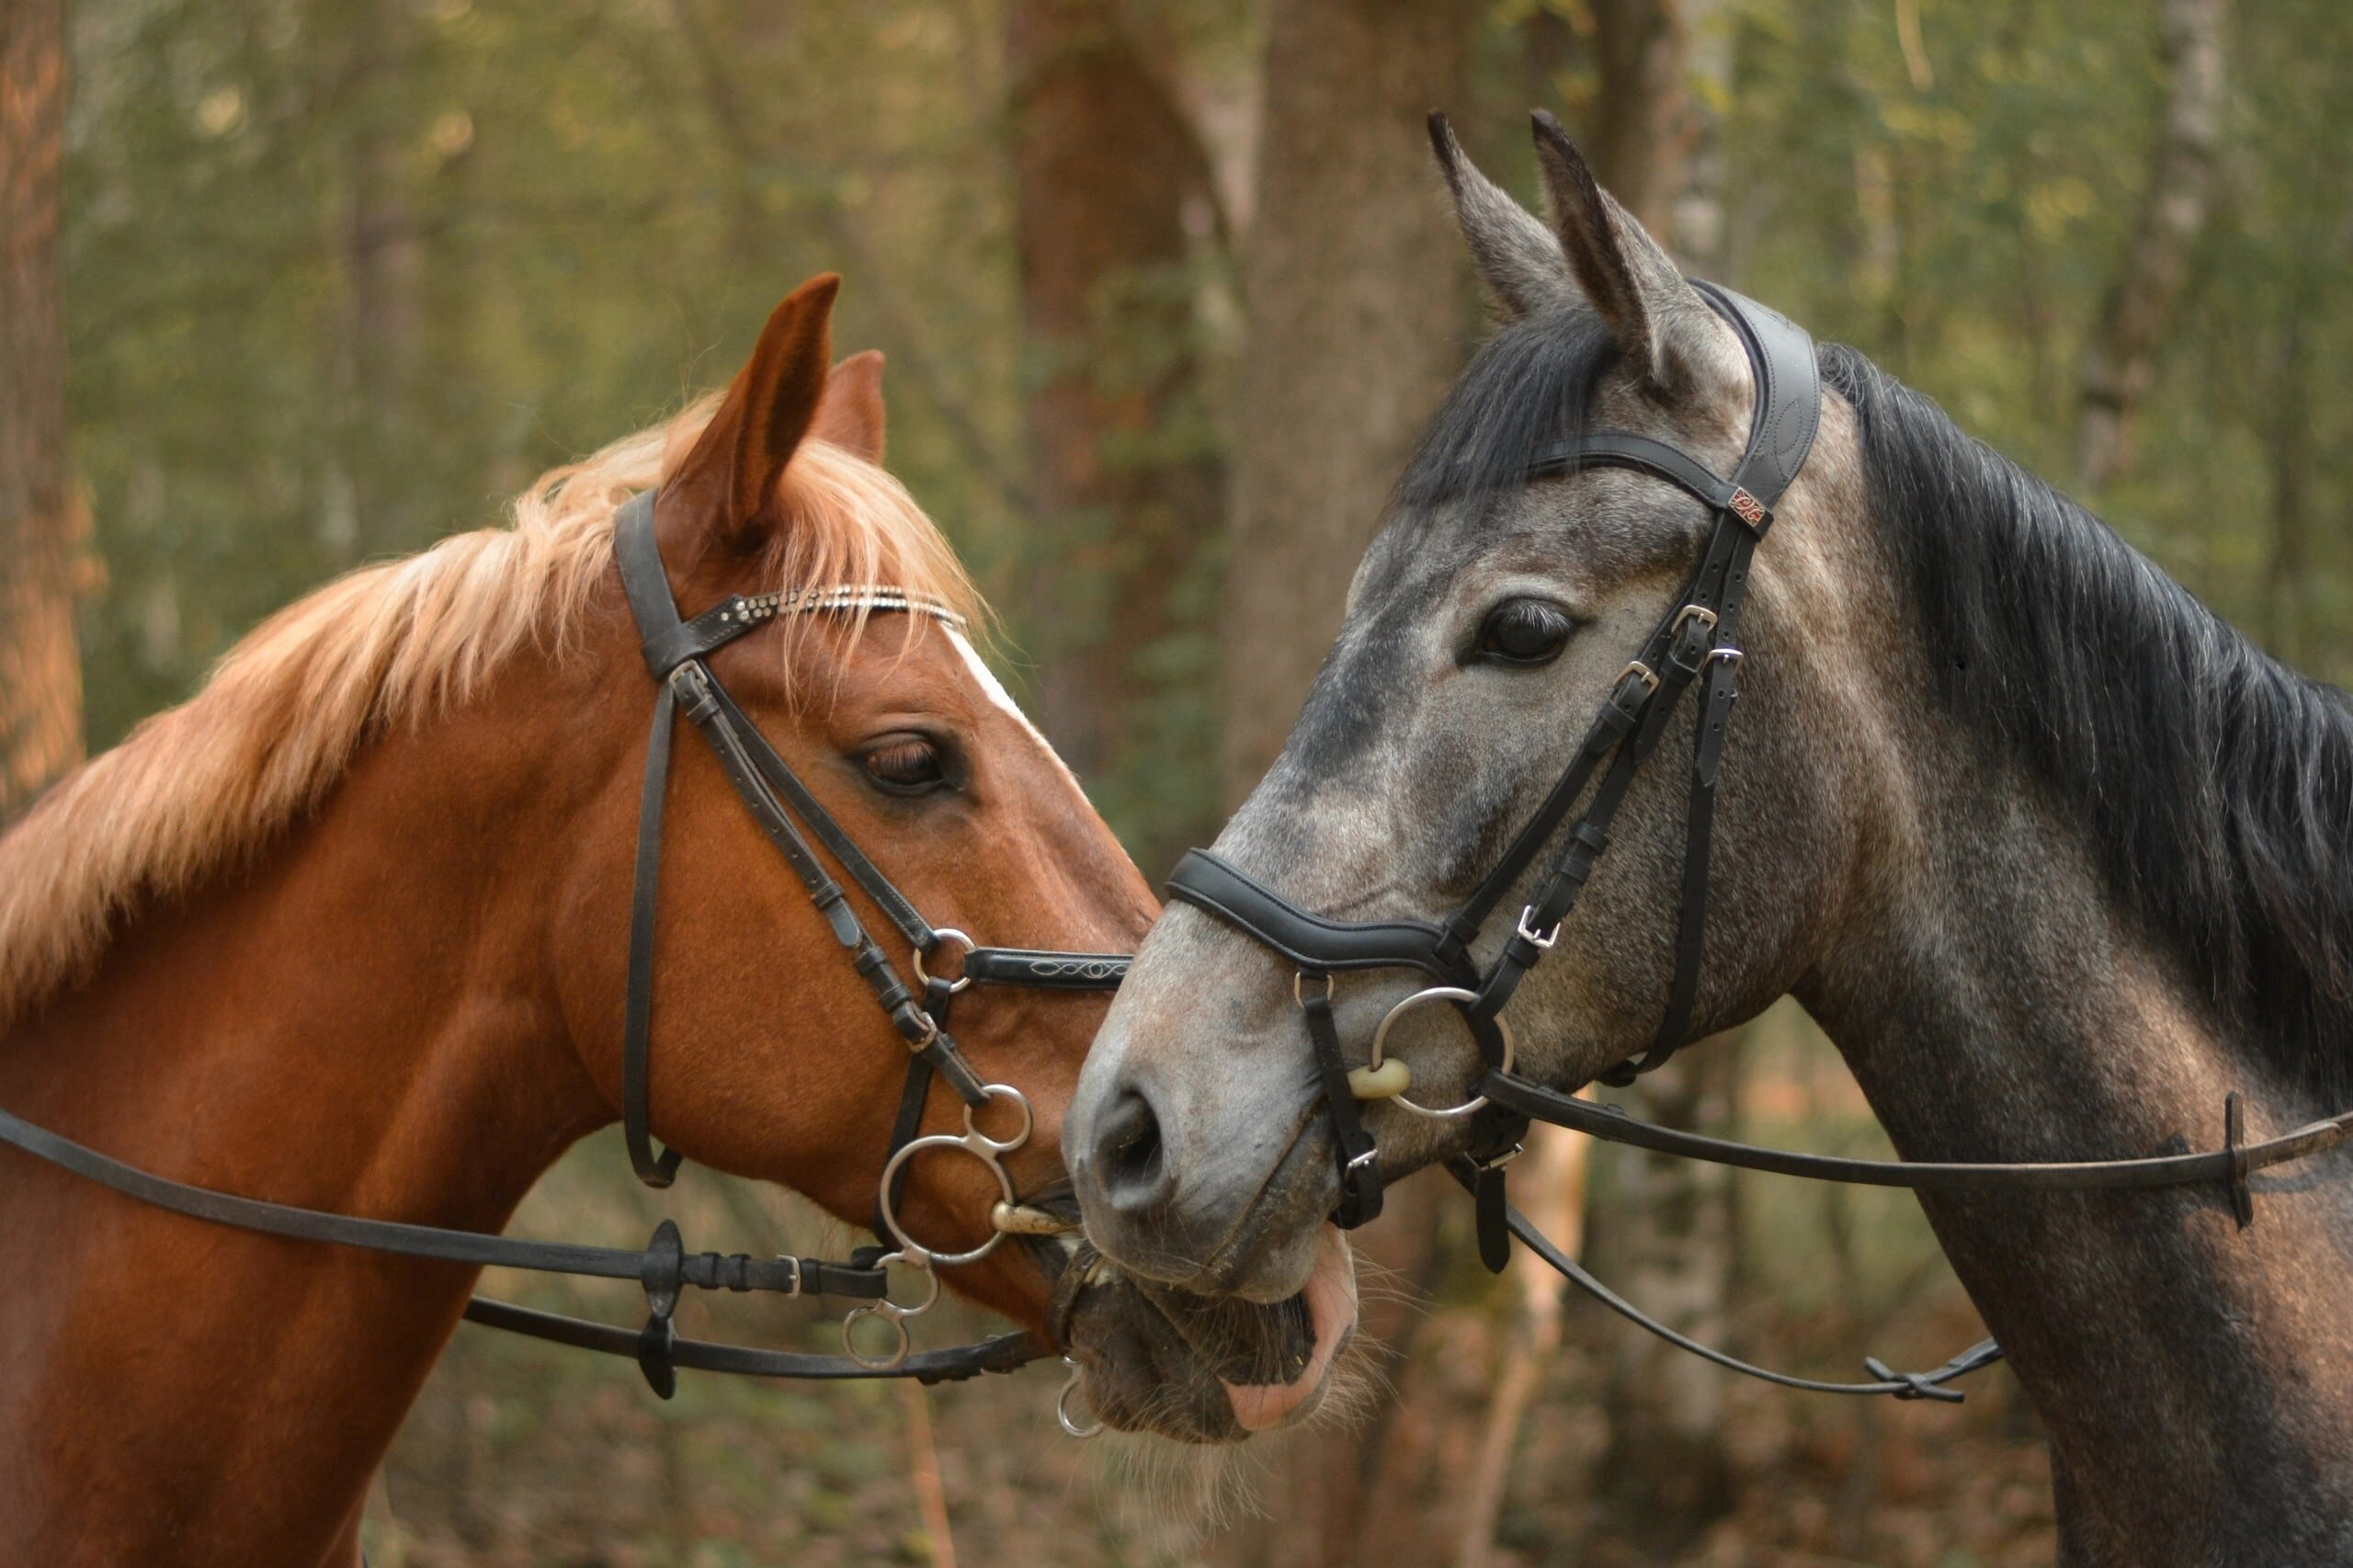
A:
[1695,643]
[790,815]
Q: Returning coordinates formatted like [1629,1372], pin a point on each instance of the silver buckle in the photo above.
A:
[1543,942]
[1648,676]
[1699,613]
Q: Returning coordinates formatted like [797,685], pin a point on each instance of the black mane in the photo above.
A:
[1528,385]
[2215,784]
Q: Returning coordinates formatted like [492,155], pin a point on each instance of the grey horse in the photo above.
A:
[2057,857]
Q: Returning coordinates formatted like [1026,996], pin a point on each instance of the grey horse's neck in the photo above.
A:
[2197,1380]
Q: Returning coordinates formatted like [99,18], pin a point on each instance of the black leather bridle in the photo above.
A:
[790,816]
[1694,644]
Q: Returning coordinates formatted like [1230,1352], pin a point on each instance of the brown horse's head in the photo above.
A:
[771,1056]
[349,930]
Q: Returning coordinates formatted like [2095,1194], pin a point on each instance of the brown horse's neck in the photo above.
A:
[2197,1380]
[361,1022]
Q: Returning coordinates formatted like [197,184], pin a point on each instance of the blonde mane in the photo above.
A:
[200,789]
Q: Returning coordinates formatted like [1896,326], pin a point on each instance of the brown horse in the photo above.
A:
[346,931]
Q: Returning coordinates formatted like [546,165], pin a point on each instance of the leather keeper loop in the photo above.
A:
[693,684]
[664,1270]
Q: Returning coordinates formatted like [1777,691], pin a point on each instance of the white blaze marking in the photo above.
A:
[994,689]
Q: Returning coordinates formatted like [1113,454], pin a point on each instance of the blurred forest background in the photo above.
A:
[288,285]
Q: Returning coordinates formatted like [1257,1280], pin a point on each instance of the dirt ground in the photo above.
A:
[522,1454]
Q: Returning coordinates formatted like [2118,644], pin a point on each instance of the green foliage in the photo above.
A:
[345,274]
[1958,222]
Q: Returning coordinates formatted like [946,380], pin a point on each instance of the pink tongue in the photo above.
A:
[1331,1309]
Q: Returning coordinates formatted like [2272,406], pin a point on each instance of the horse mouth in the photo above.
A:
[1207,1368]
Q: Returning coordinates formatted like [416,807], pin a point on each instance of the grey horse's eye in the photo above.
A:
[1524,631]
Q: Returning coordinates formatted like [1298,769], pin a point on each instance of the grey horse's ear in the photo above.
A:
[1663,326]
[1517,257]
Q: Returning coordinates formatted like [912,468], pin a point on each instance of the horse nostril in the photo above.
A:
[1128,1154]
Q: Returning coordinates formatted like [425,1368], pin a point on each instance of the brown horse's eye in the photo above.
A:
[905,765]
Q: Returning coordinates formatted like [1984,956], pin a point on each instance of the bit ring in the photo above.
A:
[981,1147]
[945,934]
[889,1312]
[1459,997]
[1063,1416]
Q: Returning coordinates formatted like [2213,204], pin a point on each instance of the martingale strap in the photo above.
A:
[1893,1384]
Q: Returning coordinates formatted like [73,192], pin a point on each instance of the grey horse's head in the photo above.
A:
[1483,630]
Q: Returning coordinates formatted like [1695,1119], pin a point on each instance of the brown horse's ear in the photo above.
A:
[852,414]
[1665,330]
[726,482]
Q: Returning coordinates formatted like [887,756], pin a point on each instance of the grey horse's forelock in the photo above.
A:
[1530,384]
[1534,383]
[2214,783]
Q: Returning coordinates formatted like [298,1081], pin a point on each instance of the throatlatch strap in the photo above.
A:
[655,1169]
[1717,695]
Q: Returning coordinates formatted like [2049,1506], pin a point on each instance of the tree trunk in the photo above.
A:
[1551,1194]
[2288,444]
[380,314]
[2118,359]
[1353,281]
[1666,1241]
[1111,185]
[41,526]
[1356,328]
[1640,129]
[1669,1233]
